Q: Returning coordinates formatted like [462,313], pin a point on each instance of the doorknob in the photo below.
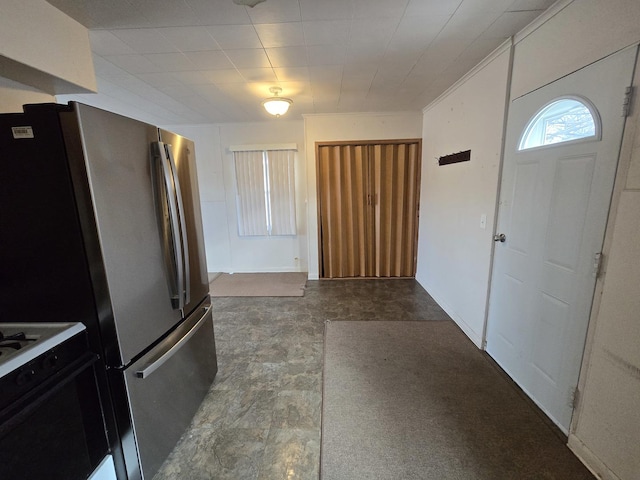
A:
[499,237]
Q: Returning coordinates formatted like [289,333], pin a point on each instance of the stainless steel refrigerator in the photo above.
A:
[101,224]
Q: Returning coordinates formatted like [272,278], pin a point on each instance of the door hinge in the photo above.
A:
[597,264]
[574,399]
[626,103]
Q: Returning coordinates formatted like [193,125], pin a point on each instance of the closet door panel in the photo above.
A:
[395,172]
[342,173]
[368,205]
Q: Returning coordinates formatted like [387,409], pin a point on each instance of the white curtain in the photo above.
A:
[250,199]
[281,192]
[265,192]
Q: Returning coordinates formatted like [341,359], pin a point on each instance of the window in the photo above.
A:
[563,120]
[265,192]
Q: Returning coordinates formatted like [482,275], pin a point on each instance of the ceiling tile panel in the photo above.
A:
[468,7]
[133,63]
[314,10]
[468,26]
[422,8]
[363,53]
[298,91]
[166,13]
[280,34]
[368,9]
[104,68]
[509,22]
[358,76]
[159,79]
[218,12]
[518,5]
[330,74]
[249,58]
[171,62]
[288,57]
[177,91]
[210,60]
[235,36]
[275,11]
[193,77]
[326,54]
[330,55]
[189,39]
[416,32]
[257,75]
[292,74]
[230,75]
[145,40]
[103,42]
[326,32]
[376,33]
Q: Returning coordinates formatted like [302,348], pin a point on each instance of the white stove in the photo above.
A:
[20,343]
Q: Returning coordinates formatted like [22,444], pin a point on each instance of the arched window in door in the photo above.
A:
[563,120]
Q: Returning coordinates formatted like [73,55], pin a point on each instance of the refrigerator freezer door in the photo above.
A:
[183,151]
[184,362]
[120,228]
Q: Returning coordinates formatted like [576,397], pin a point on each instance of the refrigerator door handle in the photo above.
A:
[159,155]
[163,355]
[183,226]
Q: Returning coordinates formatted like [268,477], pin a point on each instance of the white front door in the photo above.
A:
[554,202]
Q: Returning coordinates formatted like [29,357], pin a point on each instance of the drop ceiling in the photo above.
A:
[212,61]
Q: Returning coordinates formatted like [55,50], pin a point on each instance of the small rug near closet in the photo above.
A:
[282,284]
[417,400]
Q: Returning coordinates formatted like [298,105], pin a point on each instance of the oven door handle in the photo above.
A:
[18,411]
[163,354]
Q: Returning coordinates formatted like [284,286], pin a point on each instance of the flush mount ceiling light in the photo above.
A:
[276,105]
[248,3]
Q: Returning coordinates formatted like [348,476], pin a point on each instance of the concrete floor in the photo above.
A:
[261,419]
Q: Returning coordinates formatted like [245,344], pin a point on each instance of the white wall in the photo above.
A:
[454,249]
[339,127]
[14,95]
[606,426]
[226,250]
[577,34]
[42,47]
[605,433]
[42,52]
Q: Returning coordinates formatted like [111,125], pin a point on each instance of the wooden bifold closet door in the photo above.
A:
[368,196]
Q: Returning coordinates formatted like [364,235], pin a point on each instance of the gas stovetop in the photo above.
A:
[22,342]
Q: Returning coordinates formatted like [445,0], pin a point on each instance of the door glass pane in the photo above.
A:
[562,120]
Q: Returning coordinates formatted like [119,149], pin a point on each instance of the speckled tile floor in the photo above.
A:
[261,419]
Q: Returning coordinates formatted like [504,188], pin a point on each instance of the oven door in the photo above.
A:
[56,429]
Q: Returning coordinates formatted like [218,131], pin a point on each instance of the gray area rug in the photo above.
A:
[282,284]
[417,400]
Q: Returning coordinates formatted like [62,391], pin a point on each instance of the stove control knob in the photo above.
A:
[50,361]
[24,377]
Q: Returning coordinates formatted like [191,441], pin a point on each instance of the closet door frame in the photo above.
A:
[369,213]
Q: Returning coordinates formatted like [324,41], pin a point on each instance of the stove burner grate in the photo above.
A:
[13,342]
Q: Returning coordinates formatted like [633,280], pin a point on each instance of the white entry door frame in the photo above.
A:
[553,209]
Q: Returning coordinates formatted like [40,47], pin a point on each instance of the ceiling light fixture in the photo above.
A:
[276,105]
[248,3]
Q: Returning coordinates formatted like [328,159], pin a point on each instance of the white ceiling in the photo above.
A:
[211,61]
